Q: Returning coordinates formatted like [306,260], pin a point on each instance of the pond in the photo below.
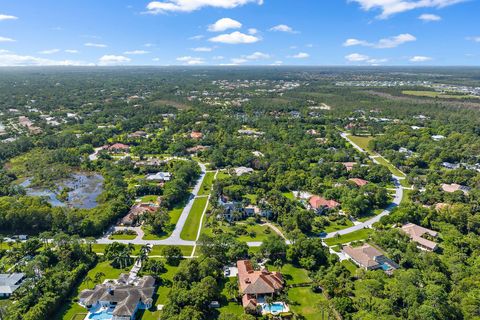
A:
[84,190]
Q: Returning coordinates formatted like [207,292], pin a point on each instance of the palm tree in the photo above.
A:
[87,280]
[232,289]
[278,264]
[144,251]
[98,276]
[90,241]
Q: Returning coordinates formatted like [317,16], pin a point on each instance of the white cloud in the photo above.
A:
[218,58]
[283,28]
[95,45]
[385,43]
[428,17]
[13,60]
[252,31]
[4,17]
[224,24]
[474,39]
[301,55]
[5,39]
[277,63]
[71,51]
[198,37]
[108,60]
[420,59]
[192,61]
[355,42]
[238,60]
[391,7]
[50,51]
[235,38]
[357,57]
[158,7]
[156,59]
[258,56]
[2,51]
[376,61]
[149,45]
[136,52]
[393,42]
[202,49]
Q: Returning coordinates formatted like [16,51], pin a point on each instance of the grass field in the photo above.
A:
[334,226]
[156,250]
[192,224]
[207,184]
[259,232]
[354,236]
[292,274]
[350,266]
[390,166]
[435,94]
[305,302]
[361,141]
[122,236]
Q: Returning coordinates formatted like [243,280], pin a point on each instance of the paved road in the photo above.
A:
[368,224]
[396,201]
[174,238]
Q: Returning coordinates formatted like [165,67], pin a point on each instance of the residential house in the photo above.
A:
[160,177]
[359,182]
[369,258]
[451,166]
[137,134]
[197,135]
[9,283]
[320,204]
[122,298]
[349,165]
[243,170]
[450,188]
[138,210]
[196,149]
[438,137]
[255,286]
[417,234]
[118,148]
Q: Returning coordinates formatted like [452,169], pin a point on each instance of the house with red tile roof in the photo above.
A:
[119,147]
[450,188]
[320,204]
[255,285]
[359,182]
[196,135]
[349,165]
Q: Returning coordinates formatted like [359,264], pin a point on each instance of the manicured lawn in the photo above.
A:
[350,266]
[288,195]
[100,248]
[70,308]
[370,215]
[354,236]
[149,198]
[334,226]
[222,175]
[122,236]
[207,184]
[292,274]
[192,224]
[361,141]
[254,233]
[390,166]
[228,306]
[158,250]
[305,302]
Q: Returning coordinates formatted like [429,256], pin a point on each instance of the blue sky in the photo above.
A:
[244,32]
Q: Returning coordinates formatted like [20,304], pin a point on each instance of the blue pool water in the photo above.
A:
[103,315]
[385,267]
[276,307]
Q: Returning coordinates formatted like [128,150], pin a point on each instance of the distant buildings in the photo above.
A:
[136,212]
[196,135]
[349,165]
[240,171]
[9,283]
[118,148]
[160,176]
[417,234]
[438,137]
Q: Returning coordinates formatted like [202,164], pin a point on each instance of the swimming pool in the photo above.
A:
[105,314]
[274,308]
